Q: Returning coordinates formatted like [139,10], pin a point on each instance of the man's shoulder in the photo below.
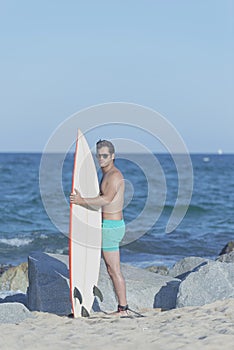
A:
[115,172]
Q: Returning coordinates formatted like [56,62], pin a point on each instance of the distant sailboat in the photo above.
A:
[220,151]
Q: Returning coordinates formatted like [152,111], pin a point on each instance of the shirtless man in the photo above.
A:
[110,199]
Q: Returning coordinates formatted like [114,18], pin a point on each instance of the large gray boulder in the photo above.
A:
[48,289]
[210,282]
[49,286]
[13,313]
[145,289]
[184,267]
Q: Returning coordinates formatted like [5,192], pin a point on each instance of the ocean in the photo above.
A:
[205,229]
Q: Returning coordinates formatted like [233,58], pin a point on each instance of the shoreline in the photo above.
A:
[161,269]
[209,326]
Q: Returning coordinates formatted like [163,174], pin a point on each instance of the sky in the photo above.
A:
[173,56]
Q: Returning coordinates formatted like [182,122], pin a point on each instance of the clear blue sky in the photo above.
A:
[175,56]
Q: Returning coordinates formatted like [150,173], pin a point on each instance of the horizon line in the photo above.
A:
[122,152]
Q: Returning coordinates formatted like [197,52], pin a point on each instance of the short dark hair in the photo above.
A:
[105,143]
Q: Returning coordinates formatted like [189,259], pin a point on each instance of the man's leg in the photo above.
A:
[112,261]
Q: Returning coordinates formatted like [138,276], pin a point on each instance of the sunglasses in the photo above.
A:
[104,155]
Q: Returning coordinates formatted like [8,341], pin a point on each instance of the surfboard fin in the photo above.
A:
[77,294]
[84,312]
[97,293]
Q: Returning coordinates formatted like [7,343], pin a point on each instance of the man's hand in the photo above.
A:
[75,198]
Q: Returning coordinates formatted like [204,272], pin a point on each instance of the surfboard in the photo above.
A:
[84,233]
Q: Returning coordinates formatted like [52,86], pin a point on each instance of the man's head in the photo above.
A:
[105,152]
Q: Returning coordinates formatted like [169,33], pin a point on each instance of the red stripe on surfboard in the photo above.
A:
[70,226]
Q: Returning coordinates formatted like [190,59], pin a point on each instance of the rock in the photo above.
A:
[13,313]
[162,270]
[227,258]
[228,248]
[184,267]
[4,267]
[211,282]
[144,289]
[49,286]
[15,298]
[15,278]
[48,289]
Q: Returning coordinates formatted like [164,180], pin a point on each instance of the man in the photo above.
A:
[110,199]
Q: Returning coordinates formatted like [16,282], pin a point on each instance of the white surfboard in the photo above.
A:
[85,233]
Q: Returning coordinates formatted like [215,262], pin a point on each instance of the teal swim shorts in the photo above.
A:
[112,233]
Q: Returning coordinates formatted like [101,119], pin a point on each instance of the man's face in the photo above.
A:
[104,157]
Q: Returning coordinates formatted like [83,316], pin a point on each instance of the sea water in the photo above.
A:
[207,226]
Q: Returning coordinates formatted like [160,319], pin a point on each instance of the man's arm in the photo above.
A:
[102,200]
[91,203]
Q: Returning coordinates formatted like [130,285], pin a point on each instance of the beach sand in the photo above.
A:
[204,327]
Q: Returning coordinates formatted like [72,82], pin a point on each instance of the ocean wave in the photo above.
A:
[16,242]
[192,208]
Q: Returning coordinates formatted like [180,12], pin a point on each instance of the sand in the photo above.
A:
[204,327]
